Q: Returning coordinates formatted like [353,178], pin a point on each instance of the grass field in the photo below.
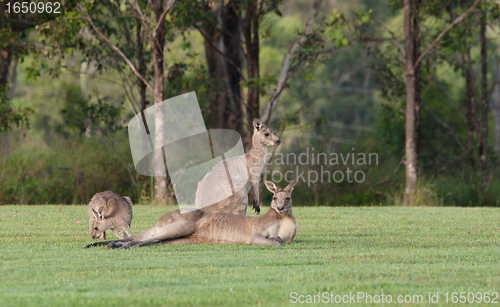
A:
[374,250]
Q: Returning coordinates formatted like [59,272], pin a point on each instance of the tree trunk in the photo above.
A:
[13,78]
[495,108]
[5,59]
[410,143]
[418,78]
[5,111]
[251,34]
[222,51]
[232,48]
[141,64]
[83,79]
[215,60]
[471,115]
[157,48]
[483,135]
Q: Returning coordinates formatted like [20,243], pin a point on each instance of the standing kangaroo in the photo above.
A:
[208,187]
[237,203]
[109,210]
[275,227]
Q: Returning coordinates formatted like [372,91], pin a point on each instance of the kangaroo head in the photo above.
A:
[100,226]
[282,198]
[263,136]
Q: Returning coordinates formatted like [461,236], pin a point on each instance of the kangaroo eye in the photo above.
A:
[274,198]
[96,228]
[267,134]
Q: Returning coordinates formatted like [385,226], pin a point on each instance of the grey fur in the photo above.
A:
[216,180]
[109,210]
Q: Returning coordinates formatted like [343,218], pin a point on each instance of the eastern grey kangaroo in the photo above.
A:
[276,227]
[109,210]
[255,161]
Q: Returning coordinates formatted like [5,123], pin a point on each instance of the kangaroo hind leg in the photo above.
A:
[167,232]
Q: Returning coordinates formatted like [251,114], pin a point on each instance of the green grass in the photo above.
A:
[389,250]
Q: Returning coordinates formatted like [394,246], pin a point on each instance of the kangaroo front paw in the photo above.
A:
[277,239]
[256,207]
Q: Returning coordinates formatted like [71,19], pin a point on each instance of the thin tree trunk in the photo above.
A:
[410,143]
[5,114]
[471,115]
[215,60]
[158,46]
[232,45]
[141,64]
[495,108]
[83,79]
[5,59]
[251,34]
[13,78]
[483,135]
[418,75]
[142,69]
[285,70]
[222,51]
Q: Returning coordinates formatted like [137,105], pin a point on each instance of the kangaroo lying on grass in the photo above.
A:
[274,228]
[109,210]
[174,221]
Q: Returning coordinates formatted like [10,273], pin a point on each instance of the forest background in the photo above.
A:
[376,102]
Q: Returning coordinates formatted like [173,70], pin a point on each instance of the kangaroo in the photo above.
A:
[175,222]
[109,210]
[274,228]
[255,159]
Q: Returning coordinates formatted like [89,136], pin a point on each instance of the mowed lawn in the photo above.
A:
[341,251]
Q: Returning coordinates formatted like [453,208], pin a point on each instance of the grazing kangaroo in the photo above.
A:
[274,228]
[208,187]
[109,210]
[174,221]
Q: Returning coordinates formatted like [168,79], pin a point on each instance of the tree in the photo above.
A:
[495,108]
[412,72]
[222,40]
[483,134]
[411,93]
[152,19]
[230,29]
[14,29]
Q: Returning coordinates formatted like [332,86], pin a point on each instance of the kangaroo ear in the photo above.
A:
[289,187]
[128,199]
[257,124]
[96,215]
[271,186]
[101,213]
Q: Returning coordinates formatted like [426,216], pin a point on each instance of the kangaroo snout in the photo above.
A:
[278,141]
